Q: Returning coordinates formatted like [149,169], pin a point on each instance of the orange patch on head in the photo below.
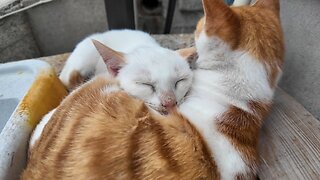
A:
[262,37]
[273,5]
[254,29]
[220,21]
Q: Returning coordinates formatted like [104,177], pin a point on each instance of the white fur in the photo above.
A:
[241,2]
[223,78]
[38,130]
[146,62]
[111,89]
[86,59]
[157,66]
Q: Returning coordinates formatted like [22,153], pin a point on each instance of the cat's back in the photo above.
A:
[121,40]
[127,40]
[85,60]
[93,135]
[84,126]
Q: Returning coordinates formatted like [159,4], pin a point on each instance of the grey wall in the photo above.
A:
[186,15]
[57,26]
[16,40]
[301,79]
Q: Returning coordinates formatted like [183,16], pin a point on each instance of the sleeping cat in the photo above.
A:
[98,135]
[85,61]
[158,76]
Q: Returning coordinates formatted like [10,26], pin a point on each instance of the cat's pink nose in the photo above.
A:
[169,103]
[168,99]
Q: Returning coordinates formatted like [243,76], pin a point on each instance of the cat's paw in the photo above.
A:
[72,80]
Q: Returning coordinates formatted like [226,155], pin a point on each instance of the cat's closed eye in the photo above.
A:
[151,86]
[179,81]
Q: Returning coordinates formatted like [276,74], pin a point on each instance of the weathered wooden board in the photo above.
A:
[290,142]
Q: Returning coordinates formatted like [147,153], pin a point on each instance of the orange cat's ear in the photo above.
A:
[215,9]
[270,4]
[221,21]
[114,60]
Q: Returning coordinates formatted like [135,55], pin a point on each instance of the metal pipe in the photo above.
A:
[169,18]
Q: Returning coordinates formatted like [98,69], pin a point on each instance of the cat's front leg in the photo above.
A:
[73,75]
[81,65]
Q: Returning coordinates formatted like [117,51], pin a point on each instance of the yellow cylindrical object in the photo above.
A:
[46,93]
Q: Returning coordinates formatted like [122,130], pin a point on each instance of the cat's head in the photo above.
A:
[254,30]
[158,76]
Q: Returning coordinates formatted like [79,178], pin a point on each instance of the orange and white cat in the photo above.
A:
[240,53]
[100,132]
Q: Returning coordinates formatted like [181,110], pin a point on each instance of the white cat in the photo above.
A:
[87,61]
[158,76]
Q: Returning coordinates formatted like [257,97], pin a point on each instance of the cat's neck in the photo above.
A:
[220,85]
[242,76]
[208,98]
[206,102]
[233,78]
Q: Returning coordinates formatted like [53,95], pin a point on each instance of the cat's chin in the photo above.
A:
[164,112]
[158,110]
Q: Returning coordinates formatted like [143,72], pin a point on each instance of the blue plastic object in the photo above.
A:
[229,2]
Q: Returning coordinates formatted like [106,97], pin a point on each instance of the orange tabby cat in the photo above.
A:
[94,135]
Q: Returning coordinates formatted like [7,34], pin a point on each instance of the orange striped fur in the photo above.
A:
[92,135]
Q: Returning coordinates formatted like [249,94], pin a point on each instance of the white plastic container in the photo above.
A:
[28,90]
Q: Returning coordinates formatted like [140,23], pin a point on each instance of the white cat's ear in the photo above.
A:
[113,59]
[189,54]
